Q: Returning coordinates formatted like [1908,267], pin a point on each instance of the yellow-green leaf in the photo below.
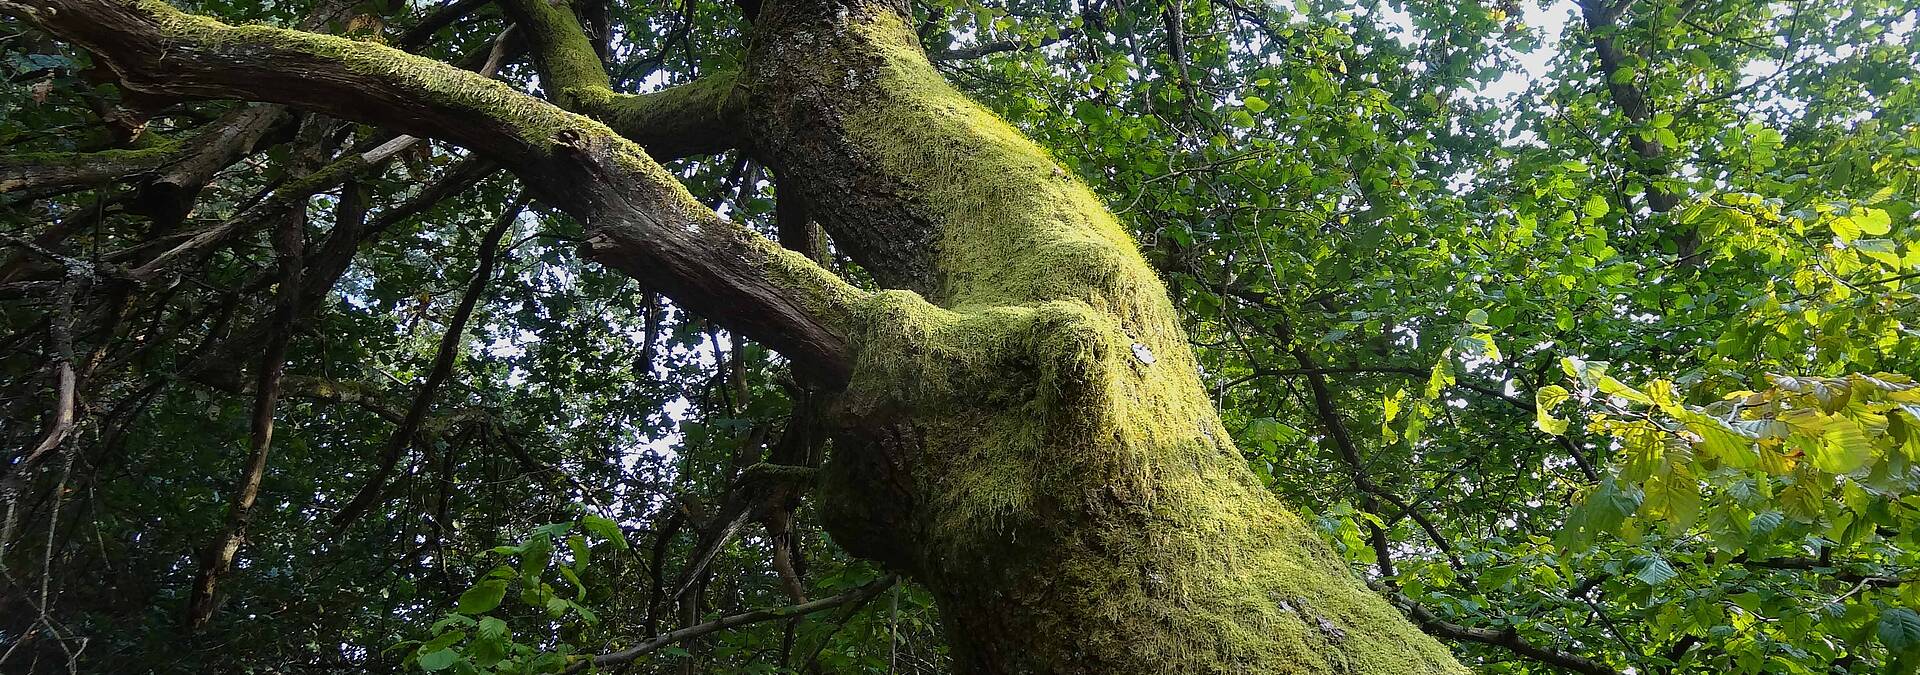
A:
[1544,401]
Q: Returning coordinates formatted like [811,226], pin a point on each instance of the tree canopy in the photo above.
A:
[1585,331]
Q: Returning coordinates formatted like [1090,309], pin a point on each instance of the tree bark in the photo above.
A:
[1024,432]
[1019,424]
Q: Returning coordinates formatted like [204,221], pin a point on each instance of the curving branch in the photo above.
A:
[1602,22]
[702,117]
[60,422]
[640,219]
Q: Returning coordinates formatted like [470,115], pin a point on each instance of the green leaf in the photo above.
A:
[1874,222]
[438,660]
[1883,250]
[606,529]
[533,561]
[586,615]
[1596,206]
[552,663]
[1675,497]
[1254,104]
[1390,405]
[483,597]
[581,554]
[1544,401]
[580,590]
[487,651]
[1845,228]
[1840,452]
[443,641]
[1654,570]
[1900,630]
[1478,345]
[1607,385]
[449,622]
[1442,375]
[1721,441]
[1802,503]
[1604,510]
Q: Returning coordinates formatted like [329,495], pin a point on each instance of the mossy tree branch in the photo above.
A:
[698,118]
[640,219]
[52,171]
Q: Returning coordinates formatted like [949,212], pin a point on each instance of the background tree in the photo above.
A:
[1576,328]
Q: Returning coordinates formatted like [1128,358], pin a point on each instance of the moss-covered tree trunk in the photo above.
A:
[1024,431]
[1020,423]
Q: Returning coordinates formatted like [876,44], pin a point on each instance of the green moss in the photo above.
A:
[568,65]
[673,110]
[153,155]
[326,177]
[1074,475]
[418,79]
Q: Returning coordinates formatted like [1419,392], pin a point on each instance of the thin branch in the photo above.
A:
[289,244]
[1508,639]
[858,595]
[445,15]
[449,347]
[1000,46]
[60,335]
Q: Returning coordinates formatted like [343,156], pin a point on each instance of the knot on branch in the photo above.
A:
[571,139]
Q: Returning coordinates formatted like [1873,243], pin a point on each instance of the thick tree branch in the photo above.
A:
[42,172]
[1600,20]
[698,118]
[640,219]
[169,175]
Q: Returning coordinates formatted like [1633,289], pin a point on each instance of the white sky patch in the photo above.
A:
[1551,21]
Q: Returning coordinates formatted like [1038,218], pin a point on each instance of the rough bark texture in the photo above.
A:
[1019,424]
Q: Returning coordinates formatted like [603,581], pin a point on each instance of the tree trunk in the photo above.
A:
[1019,423]
[1025,432]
